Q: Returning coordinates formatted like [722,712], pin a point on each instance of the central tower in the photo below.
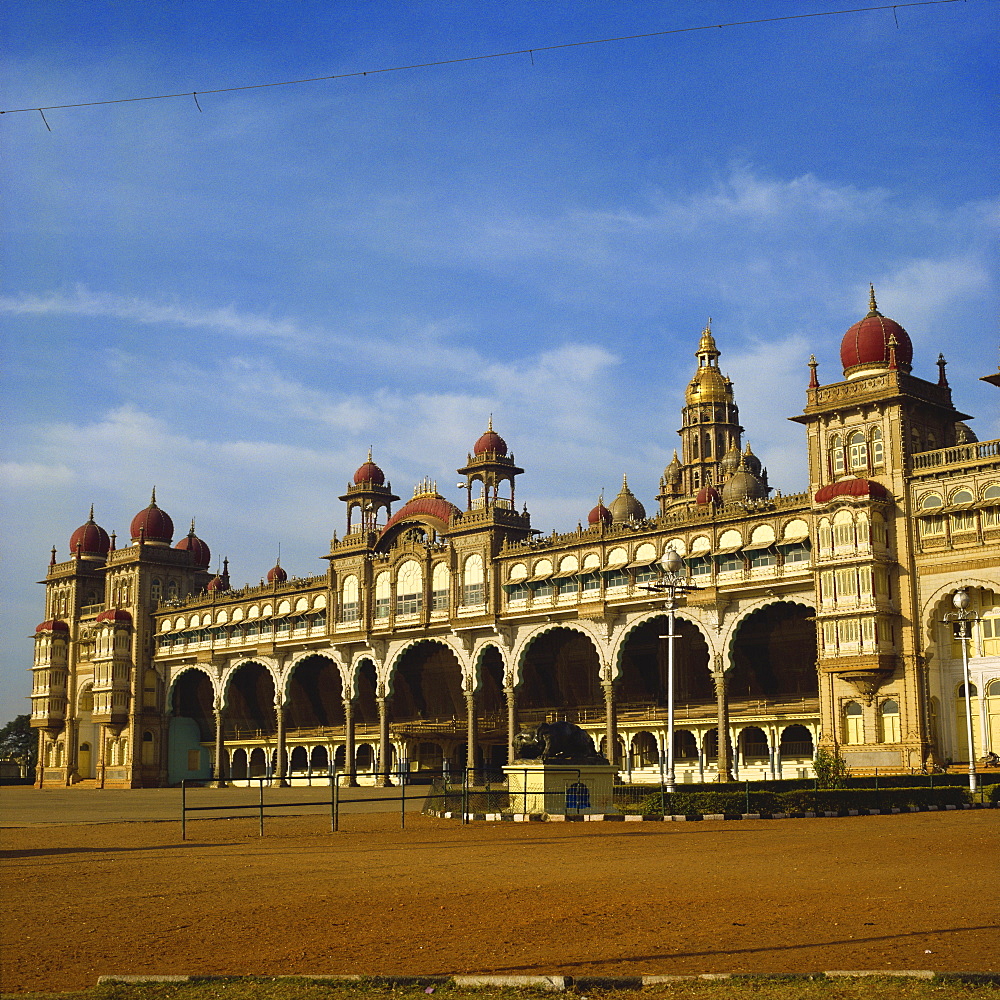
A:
[711,431]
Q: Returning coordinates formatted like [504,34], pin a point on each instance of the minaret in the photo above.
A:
[711,420]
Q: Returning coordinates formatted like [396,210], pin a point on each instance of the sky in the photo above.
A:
[232,297]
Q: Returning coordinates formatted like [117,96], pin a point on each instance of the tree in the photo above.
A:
[831,769]
[18,741]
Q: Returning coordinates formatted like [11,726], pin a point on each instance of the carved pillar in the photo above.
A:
[102,753]
[220,751]
[508,693]
[719,676]
[470,732]
[281,761]
[349,754]
[610,723]
[384,753]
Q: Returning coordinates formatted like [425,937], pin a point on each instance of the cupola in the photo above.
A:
[600,514]
[201,555]
[626,507]
[152,525]
[875,344]
[90,540]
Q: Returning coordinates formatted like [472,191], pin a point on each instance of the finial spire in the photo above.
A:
[152,502]
[872,304]
[191,532]
[813,379]
[942,378]
[489,426]
[369,453]
[91,513]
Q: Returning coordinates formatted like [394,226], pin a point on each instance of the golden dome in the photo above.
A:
[709,385]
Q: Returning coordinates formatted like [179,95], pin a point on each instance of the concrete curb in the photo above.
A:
[562,984]
[693,818]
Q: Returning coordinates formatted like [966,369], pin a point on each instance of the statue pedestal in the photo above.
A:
[560,789]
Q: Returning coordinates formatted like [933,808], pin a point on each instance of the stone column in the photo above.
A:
[382,777]
[102,753]
[278,780]
[470,732]
[349,754]
[610,723]
[508,694]
[719,676]
[220,751]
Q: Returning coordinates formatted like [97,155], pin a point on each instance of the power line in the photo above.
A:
[491,55]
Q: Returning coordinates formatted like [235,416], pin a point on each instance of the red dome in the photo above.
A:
[707,495]
[216,585]
[490,443]
[91,538]
[598,514]
[115,615]
[867,342]
[369,473]
[201,554]
[276,574]
[433,508]
[851,488]
[52,625]
[152,524]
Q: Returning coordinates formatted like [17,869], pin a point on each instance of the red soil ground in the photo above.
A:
[914,891]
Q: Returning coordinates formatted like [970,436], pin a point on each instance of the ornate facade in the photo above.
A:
[437,631]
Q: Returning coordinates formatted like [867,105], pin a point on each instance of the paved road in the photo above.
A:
[25,806]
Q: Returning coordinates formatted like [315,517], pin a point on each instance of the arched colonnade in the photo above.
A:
[459,698]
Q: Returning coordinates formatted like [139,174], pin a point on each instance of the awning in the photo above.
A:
[639,563]
[794,539]
[565,574]
[539,576]
[618,563]
[726,550]
[755,546]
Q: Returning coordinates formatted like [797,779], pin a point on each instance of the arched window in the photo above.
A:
[889,717]
[473,581]
[877,451]
[172,590]
[695,443]
[149,685]
[858,450]
[409,589]
[837,455]
[854,724]
[156,589]
[349,609]
[383,595]
[440,582]
[148,749]
[708,446]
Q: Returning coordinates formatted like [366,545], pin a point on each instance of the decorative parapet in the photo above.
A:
[291,585]
[979,453]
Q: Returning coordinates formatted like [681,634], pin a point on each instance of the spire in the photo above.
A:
[872,305]
[489,425]
[942,378]
[152,502]
[893,344]
[813,365]
[369,453]
[90,520]
[52,561]
[191,532]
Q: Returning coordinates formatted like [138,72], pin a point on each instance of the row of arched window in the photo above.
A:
[889,730]
[856,451]
[405,596]
[851,531]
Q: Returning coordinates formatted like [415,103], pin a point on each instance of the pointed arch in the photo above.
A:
[528,637]
[621,637]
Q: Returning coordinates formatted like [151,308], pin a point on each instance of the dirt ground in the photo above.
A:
[915,891]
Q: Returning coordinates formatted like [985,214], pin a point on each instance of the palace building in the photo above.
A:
[438,631]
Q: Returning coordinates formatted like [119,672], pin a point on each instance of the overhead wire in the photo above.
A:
[479,58]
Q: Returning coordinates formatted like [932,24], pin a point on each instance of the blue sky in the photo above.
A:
[233,304]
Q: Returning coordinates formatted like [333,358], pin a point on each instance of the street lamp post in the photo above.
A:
[961,620]
[674,583]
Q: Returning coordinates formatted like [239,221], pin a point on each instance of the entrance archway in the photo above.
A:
[561,673]
[774,655]
[644,661]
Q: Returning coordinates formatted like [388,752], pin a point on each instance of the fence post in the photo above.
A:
[663,798]
[402,800]
[878,798]
[748,795]
[184,809]
[261,806]
[334,803]
[465,797]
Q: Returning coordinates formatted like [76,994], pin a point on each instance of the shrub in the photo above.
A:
[831,769]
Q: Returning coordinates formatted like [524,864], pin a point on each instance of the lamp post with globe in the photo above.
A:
[674,582]
[961,620]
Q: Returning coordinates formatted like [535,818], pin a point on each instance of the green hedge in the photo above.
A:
[801,800]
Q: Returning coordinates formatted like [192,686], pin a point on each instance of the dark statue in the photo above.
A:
[560,742]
